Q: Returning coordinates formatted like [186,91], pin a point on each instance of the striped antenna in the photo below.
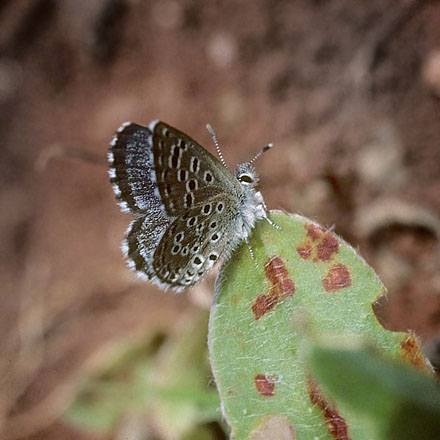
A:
[214,138]
[263,150]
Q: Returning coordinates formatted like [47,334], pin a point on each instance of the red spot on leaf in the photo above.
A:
[265,385]
[328,246]
[305,251]
[282,287]
[336,425]
[263,304]
[338,277]
[413,353]
[314,232]
[319,244]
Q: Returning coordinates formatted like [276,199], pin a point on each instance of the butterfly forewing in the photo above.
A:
[186,173]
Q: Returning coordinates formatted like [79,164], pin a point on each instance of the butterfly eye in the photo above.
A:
[245,178]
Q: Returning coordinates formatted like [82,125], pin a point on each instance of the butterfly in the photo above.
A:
[189,209]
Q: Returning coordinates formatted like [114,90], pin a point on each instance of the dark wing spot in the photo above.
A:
[176,151]
[189,198]
[174,162]
[195,164]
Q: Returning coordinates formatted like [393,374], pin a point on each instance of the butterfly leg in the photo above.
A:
[251,251]
[268,219]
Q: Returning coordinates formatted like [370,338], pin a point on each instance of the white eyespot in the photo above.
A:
[220,206]
[188,200]
[192,185]
[174,162]
[176,249]
[215,237]
[179,237]
[175,149]
[194,164]
[182,175]
[198,260]
[184,251]
[199,228]
[213,225]
[192,221]
[213,257]
[206,209]
[208,177]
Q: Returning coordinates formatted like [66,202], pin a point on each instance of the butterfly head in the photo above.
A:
[246,175]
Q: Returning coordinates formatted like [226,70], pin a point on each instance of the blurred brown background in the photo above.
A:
[349,92]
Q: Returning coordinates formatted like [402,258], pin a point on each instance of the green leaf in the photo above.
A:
[390,400]
[303,278]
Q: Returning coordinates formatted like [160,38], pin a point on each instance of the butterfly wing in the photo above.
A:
[186,173]
[178,191]
[131,165]
[142,238]
[194,242]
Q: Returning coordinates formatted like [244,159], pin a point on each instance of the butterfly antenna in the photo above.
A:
[214,138]
[264,149]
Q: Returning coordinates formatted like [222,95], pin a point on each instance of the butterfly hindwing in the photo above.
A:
[131,167]
[194,242]
[141,240]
